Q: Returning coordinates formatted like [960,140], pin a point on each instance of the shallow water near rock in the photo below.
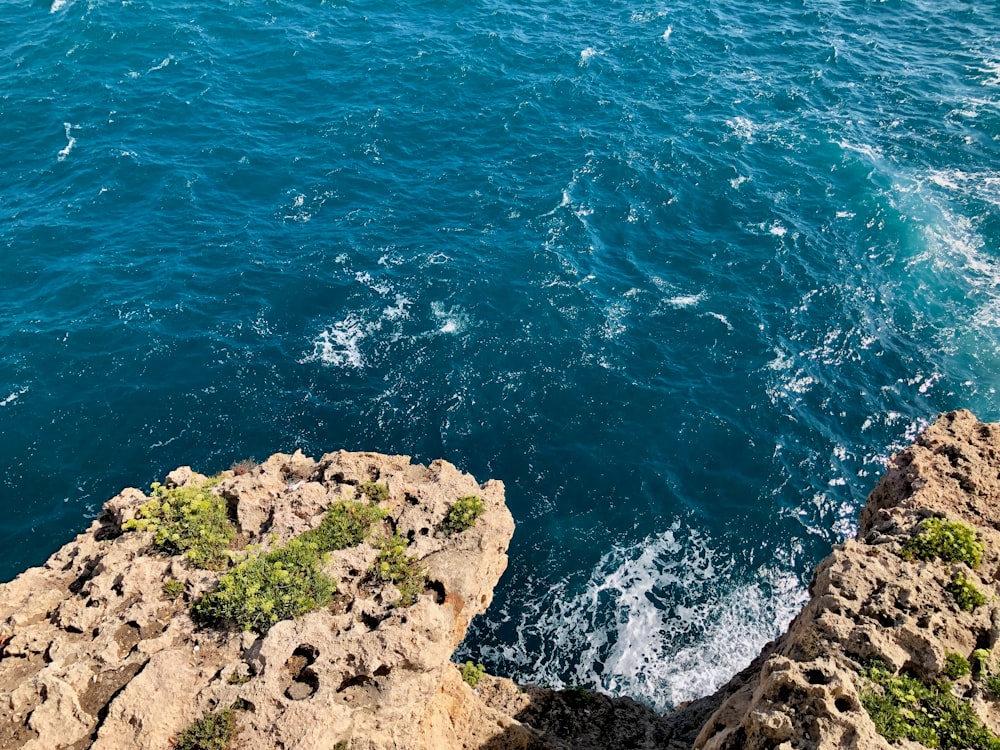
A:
[681,275]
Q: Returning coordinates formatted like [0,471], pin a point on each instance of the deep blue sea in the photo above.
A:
[682,274]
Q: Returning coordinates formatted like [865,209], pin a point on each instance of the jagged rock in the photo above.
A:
[95,655]
[867,602]
[92,654]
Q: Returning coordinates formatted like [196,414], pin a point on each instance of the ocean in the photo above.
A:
[682,274]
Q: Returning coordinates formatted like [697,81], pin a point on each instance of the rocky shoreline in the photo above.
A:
[104,646]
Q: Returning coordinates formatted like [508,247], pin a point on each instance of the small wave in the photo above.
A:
[452,321]
[339,345]
[58,5]
[70,142]
[686,300]
[13,397]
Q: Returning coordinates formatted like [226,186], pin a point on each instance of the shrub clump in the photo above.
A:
[472,673]
[172,588]
[267,588]
[951,541]
[462,514]
[956,665]
[903,707]
[376,493]
[287,582]
[394,566]
[188,520]
[344,525]
[210,732]
[967,596]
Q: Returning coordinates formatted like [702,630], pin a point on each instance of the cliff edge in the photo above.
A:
[317,604]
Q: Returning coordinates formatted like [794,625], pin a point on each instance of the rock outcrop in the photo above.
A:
[95,652]
[96,655]
[869,603]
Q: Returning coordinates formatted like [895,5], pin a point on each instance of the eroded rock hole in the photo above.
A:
[437,588]
[355,681]
[817,677]
[843,705]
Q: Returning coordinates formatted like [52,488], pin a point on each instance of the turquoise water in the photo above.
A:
[683,275]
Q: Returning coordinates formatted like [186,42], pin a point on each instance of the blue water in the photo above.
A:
[683,275]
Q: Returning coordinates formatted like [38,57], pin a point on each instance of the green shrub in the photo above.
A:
[462,514]
[172,588]
[394,566]
[210,732]
[967,596]
[981,661]
[950,541]
[903,707]
[956,665]
[265,589]
[344,525]
[376,493]
[992,683]
[188,520]
[472,673]
[287,582]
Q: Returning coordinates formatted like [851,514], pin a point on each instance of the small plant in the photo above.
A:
[903,707]
[956,665]
[472,673]
[462,514]
[992,683]
[243,467]
[172,588]
[394,566]
[951,541]
[376,493]
[265,589]
[210,732]
[967,596]
[981,661]
[239,677]
[190,521]
[344,525]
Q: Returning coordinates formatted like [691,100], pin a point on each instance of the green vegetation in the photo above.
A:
[188,520]
[172,588]
[981,661]
[462,514]
[956,665]
[344,525]
[967,596]
[394,566]
[993,684]
[265,589]
[903,707]
[472,673]
[287,581]
[239,678]
[950,541]
[210,732]
[376,493]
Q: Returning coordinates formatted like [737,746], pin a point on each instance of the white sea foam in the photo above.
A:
[686,300]
[13,397]
[742,128]
[58,5]
[451,321]
[164,63]
[70,142]
[339,345]
[586,55]
[665,620]
[666,34]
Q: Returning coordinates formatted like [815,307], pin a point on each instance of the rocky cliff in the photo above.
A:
[128,637]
